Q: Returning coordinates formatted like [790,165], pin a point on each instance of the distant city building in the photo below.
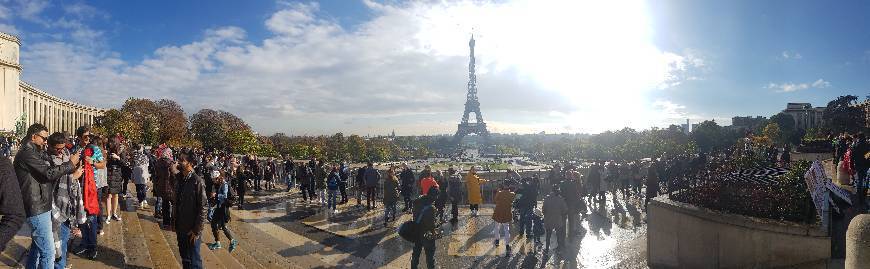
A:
[24,104]
[688,127]
[805,115]
[747,122]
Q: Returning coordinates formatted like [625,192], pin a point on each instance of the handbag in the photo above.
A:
[410,230]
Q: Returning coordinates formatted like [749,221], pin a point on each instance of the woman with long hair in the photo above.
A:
[115,167]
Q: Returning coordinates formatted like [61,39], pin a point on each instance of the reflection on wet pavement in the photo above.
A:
[612,234]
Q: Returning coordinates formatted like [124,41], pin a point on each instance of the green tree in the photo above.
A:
[840,116]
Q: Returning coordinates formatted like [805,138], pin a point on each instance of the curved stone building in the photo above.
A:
[20,101]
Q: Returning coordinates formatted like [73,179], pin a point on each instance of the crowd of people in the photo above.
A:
[69,186]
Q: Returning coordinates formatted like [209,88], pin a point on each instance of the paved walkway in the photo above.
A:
[279,230]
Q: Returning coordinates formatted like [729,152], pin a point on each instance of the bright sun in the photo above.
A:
[598,54]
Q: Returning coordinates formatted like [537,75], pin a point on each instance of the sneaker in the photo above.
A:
[108,220]
[92,254]
[233,244]
[116,218]
[496,242]
[102,232]
[507,251]
[335,211]
[215,245]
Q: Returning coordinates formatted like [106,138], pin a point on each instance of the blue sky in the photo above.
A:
[369,67]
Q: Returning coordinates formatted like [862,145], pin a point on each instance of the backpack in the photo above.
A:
[410,230]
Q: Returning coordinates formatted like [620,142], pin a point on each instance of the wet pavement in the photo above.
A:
[612,234]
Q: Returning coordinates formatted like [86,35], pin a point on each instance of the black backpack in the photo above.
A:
[410,230]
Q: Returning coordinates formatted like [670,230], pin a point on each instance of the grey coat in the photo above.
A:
[554,211]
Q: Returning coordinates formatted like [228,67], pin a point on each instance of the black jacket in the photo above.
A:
[10,203]
[191,204]
[36,177]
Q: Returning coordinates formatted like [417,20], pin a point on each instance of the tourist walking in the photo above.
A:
[115,180]
[594,182]
[526,203]
[343,176]
[166,174]
[472,183]
[305,182]
[372,178]
[37,176]
[427,181]
[454,190]
[571,193]
[11,206]
[220,211]
[90,194]
[242,175]
[141,175]
[424,213]
[406,182]
[191,203]
[360,184]
[503,215]
[67,209]
[320,175]
[391,195]
[554,210]
[332,189]
[290,173]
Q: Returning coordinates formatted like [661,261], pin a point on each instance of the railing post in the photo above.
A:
[858,242]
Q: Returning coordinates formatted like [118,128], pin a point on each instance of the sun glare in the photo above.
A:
[594,53]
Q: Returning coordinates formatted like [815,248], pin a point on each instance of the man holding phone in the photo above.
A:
[37,176]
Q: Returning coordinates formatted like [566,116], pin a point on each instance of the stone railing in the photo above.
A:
[681,235]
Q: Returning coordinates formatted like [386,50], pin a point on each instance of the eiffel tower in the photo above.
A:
[472,105]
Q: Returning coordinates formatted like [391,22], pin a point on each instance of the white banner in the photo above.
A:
[818,185]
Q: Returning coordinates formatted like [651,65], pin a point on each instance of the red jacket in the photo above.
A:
[426,184]
[89,186]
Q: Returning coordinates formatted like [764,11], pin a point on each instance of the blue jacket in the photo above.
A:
[332,181]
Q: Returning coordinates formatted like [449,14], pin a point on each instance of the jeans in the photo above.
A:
[63,232]
[100,219]
[190,257]
[389,211]
[241,198]
[506,237]
[454,209]
[560,237]
[167,212]
[158,206]
[321,195]
[332,196]
[220,224]
[89,233]
[370,196]
[526,221]
[290,182]
[305,194]
[42,248]
[342,186]
[407,199]
[429,245]
[572,223]
[140,192]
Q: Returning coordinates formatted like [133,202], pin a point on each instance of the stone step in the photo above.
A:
[159,249]
[16,249]
[135,243]
[111,252]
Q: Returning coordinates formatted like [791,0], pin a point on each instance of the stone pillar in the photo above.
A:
[858,242]
[10,75]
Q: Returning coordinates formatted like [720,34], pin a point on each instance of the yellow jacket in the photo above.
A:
[472,181]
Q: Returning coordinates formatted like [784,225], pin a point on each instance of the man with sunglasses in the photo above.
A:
[37,176]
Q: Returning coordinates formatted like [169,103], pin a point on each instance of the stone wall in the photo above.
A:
[681,235]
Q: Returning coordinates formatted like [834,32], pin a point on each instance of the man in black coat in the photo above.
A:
[406,186]
[192,203]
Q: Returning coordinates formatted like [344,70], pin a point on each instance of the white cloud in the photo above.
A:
[792,87]
[791,55]
[404,68]
[31,10]
[8,28]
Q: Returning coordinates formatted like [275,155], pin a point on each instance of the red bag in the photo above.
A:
[89,185]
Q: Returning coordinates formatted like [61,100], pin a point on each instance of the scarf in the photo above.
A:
[89,185]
